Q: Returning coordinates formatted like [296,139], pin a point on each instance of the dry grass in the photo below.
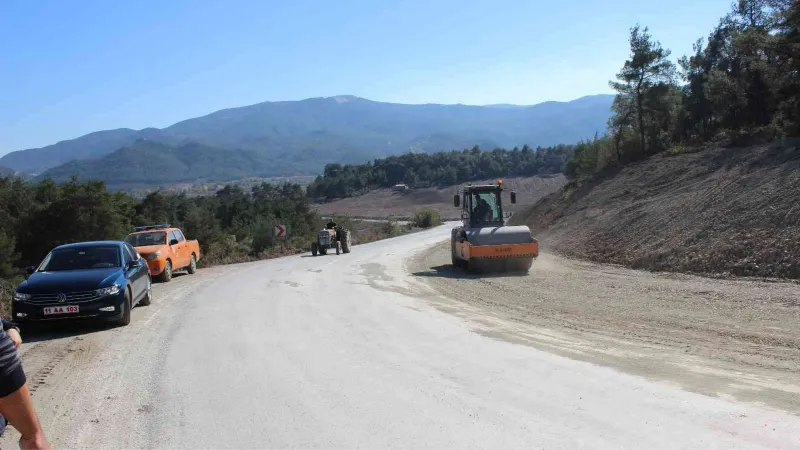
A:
[385,203]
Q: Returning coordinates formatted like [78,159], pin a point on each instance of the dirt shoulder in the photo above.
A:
[725,338]
[88,378]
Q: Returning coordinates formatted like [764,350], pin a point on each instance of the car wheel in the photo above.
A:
[192,265]
[166,275]
[148,298]
[125,318]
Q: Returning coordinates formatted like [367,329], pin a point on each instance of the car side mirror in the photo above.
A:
[30,269]
[135,263]
[513,197]
[456,201]
[173,242]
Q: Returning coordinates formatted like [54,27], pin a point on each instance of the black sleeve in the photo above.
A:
[12,377]
[7,325]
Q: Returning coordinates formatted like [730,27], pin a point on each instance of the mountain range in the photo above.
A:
[300,137]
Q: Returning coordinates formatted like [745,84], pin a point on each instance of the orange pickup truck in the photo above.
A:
[165,249]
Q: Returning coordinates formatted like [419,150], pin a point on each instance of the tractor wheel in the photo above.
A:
[346,242]
[314,249]
[338,247]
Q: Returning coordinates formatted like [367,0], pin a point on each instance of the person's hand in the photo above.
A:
[15,336]
[34,442]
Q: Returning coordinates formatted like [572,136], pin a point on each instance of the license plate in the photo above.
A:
[68,309]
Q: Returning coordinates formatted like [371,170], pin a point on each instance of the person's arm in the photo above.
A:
[15,398]
[13,332]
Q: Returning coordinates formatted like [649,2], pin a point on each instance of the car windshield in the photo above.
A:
[81,258]
[145,239]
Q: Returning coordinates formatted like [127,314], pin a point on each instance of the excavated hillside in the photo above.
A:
[717,212]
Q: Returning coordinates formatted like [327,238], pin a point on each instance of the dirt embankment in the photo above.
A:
[727,338]
[732,211]
[383,203]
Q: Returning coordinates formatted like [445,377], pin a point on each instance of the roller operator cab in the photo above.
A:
[483,243]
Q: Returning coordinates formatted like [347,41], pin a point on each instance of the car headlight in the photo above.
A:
[20,297]
[111,290]
[153,256]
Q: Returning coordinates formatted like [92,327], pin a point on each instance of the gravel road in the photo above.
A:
[352,351]
[736,339]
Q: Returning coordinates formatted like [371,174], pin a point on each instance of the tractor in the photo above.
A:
[332,237]
[484,243]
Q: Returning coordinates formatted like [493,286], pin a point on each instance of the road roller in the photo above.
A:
[483,243]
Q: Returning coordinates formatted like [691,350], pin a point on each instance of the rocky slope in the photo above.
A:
[719,211]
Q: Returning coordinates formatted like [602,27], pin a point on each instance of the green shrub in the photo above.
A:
[390,228]
[427,218]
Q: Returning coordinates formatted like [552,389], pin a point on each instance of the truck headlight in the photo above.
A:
[20,297]
[153,256]
[105,292]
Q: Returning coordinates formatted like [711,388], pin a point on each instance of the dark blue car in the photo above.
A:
[103,279]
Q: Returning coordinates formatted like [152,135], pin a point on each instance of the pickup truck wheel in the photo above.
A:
[125,318]
[192,265]
[148,298]
[166,275]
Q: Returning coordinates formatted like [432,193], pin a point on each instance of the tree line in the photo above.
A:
[742,82]
[444,168]
[232,225]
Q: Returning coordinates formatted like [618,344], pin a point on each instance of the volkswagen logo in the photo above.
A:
[62,298]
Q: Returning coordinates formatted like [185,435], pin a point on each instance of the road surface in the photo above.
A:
[351,351]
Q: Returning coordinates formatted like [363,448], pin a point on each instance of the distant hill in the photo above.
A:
[6,171]
[299,137]
[149,163]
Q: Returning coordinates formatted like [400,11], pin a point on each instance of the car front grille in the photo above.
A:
[71,297]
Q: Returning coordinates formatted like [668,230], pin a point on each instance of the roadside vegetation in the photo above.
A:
[427,218]
[741,86]
[699,170]
[233,225]
[437,169]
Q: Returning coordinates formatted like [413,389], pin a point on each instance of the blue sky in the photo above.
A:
[68,68]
